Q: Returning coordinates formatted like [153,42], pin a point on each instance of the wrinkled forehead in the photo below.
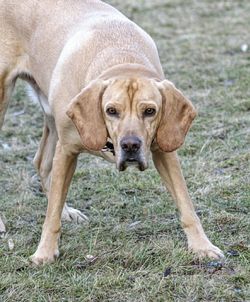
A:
[124,90]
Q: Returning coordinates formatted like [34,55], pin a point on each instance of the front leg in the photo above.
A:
[169,169]
[62,171]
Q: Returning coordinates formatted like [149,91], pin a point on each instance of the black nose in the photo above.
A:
[130,144]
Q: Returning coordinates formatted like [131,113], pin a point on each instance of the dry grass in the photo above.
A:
[134,231]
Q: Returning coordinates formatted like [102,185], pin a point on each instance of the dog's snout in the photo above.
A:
[131,144]
[132,153]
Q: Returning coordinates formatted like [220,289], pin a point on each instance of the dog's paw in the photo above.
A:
[206,249]
[43,256]
[71,214]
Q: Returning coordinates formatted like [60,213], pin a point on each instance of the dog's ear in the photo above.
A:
[177,116]
[86,113]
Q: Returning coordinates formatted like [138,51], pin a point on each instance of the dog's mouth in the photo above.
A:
[123,165]
[126,160]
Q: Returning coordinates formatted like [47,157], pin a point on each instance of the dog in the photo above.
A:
[102,89]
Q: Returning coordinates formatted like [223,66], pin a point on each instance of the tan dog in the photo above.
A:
[98,78]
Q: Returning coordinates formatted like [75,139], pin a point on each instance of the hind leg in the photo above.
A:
[7,83]
[45,153]
[43,162]
[11,64]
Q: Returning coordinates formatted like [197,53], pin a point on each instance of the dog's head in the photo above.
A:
[132,112]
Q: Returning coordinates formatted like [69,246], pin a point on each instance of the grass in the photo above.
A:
[133,248]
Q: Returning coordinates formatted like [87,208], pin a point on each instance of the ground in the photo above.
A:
[133,248]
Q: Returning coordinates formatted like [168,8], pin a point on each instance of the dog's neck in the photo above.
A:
[131,70]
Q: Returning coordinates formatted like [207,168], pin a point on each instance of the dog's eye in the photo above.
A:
[149,112]
[111,111]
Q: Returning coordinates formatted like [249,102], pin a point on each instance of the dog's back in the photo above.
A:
[92,25]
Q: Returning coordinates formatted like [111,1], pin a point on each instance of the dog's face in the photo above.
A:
[132,113]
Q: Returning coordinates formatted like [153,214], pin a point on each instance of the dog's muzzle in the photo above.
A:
[131,153]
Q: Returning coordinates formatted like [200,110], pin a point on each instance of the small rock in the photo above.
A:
[244,47]
[237,290]
[11,244]
[215,264]
[6,146]
[167,272]
[134,224]
[233,253]
[91,258]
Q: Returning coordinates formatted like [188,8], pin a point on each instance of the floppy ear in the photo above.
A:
[86,113]
[177,116]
